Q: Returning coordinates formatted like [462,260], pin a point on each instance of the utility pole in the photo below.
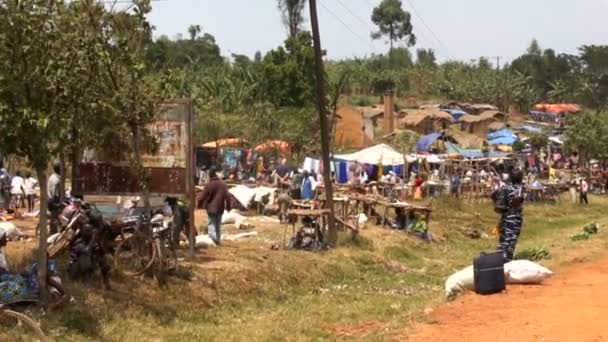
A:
[320,87]
[497,99]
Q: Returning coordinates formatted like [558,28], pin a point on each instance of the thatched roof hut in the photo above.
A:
[476,124]
[426,121]
[496,126]
[498,115]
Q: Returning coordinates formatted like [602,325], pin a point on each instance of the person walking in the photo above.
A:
[509,203]
[54,197]
[215,199]
[29,187]
[5,189]
[583,188]
[17,190]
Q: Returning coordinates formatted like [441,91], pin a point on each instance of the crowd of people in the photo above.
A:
[18,191]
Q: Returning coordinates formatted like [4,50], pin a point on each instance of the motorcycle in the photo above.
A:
[83,230]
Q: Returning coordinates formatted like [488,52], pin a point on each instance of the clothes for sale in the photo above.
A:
[232,157]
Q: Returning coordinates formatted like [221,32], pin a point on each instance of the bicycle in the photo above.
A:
[144,244]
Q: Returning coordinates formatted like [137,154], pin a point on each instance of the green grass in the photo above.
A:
[371,288]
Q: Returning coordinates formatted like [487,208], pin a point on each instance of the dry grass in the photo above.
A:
[370,288]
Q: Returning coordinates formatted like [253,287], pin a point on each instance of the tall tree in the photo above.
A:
[426,57]
[594,78]
[47,63]
[393,22]
[292,15]
[534,48]
[194,31]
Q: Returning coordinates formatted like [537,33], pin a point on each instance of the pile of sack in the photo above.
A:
[516,272]
[233,217]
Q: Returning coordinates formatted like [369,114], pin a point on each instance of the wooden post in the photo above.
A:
[190,186]
[320,87]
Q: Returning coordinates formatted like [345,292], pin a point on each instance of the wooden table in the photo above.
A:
[408,207]
[322,214]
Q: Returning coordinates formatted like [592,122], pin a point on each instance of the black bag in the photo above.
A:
[489,273]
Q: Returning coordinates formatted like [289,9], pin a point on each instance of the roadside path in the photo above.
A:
[571,306]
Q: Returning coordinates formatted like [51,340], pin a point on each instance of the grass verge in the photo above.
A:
[371,288]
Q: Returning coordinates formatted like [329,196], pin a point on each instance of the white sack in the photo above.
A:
[459,282]
[241,236]
[233,217]
[516,272]
[11,231]
[362,221]
[525,272]
[204,241]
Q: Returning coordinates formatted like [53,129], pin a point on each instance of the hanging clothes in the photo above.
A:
[306,190]
[342,176]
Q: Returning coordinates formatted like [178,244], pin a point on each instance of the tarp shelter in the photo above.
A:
[374,155]
[425,143]
[231,142]
[280,145]
[456,113]
[502,137]
[501,134]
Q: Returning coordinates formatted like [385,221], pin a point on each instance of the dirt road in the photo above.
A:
[572,306]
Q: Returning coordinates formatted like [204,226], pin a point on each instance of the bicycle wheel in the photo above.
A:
[135,255]
[15,320]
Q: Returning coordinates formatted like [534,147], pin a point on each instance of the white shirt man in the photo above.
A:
[30,185]
[17,184]
[53,185]
[483,175]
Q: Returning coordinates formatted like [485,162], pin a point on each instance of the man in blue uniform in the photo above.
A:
[509,203]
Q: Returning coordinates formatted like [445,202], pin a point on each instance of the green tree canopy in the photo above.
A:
[292,15]
[393,22]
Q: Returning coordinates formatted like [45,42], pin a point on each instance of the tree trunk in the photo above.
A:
[63,175]
[325,147]
[141,172]
[43,235]
[75,161]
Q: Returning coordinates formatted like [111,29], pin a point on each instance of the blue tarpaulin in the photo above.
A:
[500,134]
[502,137]
[456,113]
[425,143]
[503,141]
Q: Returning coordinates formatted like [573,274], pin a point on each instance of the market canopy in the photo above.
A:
[381,153]
[558,108]
[231,142]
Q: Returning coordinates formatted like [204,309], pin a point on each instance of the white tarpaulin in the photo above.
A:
[243,194]
[374,155]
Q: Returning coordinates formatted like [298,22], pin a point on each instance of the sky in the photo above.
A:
[455,29]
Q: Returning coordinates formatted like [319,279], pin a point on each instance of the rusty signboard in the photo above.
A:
[168,166]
